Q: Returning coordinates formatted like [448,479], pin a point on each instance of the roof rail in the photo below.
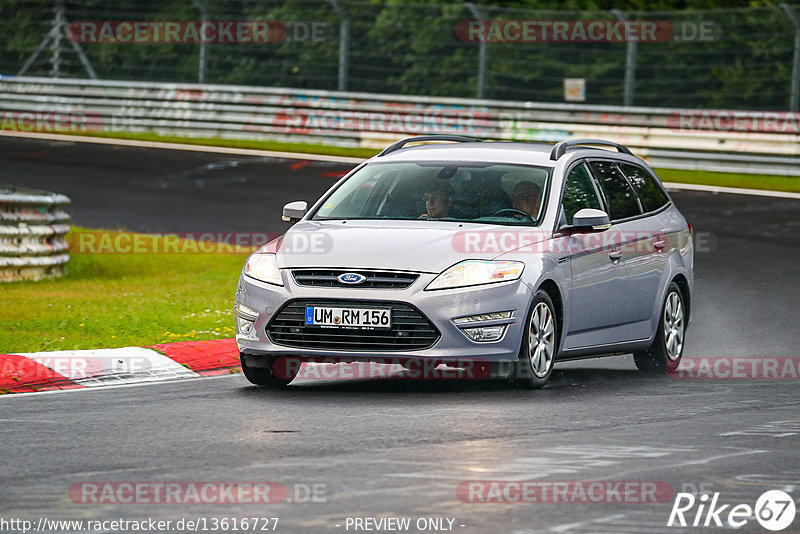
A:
[561,147]
[400,144]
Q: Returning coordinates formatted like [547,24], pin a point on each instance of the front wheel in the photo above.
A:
[534,366]
[264,376]
[664,355]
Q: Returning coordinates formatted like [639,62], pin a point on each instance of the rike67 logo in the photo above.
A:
[774,510]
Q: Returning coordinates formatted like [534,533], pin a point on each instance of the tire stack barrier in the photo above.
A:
[33,224]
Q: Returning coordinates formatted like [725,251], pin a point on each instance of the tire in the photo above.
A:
[537,352]
[263,376]
[664,355]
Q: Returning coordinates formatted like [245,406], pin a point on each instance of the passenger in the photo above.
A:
[492,200]
[527,197]
[438,200]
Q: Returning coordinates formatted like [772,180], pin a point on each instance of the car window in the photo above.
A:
[621,199]
[579,193]
[650,193]
[474,192]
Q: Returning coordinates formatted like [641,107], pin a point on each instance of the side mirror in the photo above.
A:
[294,211]
[591,218]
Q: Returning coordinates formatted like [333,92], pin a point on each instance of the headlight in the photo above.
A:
[476,272]
[263,267]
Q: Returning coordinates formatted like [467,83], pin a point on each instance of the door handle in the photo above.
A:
[614,255]
[659,244]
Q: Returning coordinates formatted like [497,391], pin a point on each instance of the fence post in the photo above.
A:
[58,30]
[794,94]
[344,43]
[203,59]
[483,53]
[55,42]
[630,64]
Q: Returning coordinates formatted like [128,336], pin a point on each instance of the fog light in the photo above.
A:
[485,333]
[483,317]
[243,326]
[245,319]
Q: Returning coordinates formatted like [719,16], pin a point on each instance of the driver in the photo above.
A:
[438,200]
[527,196]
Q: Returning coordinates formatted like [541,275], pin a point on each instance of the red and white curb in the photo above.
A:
[72,369]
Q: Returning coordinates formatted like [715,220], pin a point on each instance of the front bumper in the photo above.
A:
[439,307]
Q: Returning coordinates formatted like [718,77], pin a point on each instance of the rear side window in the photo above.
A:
[650,193]
[622,201]
[579,193]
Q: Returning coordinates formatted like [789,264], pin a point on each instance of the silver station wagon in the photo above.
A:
[496,258]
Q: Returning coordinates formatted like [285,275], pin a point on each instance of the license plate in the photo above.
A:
[348,317]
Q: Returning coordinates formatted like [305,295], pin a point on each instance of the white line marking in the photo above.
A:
[116,386]
[182,146]
[734,190]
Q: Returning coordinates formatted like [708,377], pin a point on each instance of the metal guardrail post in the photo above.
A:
[794,95]
[483,53]
[630,64]
[344,43]
[32,229]
[203,59]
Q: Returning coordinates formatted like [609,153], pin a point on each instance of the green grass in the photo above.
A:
[118,300]
[306,148]
[726,179]
[729,179]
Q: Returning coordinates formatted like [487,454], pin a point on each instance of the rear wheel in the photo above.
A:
[266,376]
[664,355]
[534,366]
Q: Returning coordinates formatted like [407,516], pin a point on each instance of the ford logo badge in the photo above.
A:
[351,278]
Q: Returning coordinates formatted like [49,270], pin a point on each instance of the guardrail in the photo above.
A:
[32,230]
[752,142]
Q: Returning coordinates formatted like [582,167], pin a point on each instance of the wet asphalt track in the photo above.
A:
[400,448]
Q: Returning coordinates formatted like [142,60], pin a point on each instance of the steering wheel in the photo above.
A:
[514,212]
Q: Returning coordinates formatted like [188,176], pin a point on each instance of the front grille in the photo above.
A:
[410,329]
[374,280]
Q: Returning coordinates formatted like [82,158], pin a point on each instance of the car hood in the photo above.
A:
[420,246]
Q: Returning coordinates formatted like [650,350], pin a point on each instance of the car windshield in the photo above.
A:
[470,192]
